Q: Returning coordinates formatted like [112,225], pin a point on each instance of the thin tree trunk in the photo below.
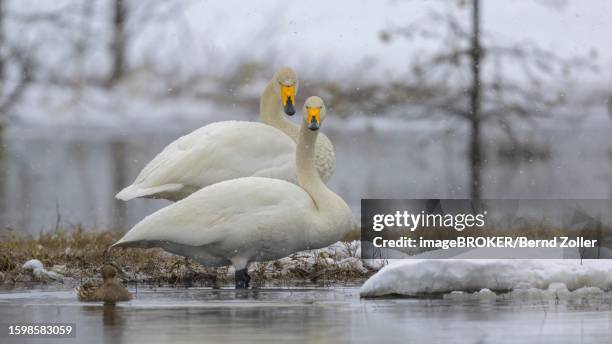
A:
[118,154]
[82,45]
[475,149]
[3,179]
[119,42]
[2,43]
[3,167]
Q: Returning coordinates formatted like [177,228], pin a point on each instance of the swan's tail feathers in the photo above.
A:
[137,191]
[123,243]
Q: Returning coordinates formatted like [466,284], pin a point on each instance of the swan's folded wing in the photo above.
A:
[231,210]
[222,151]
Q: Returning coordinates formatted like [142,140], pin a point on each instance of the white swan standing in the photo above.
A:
[232,149]
[252,219]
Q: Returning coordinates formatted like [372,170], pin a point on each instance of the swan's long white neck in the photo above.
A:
[307,173]
[271,112]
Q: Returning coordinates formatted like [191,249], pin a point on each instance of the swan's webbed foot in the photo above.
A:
[242,279]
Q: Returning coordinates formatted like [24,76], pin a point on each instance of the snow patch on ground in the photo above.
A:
[39,271]
[421,277]
[336,258]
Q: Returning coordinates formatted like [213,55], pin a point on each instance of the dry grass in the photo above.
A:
[79,254]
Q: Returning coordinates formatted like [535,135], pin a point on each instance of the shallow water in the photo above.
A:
[70,175]
[312,315]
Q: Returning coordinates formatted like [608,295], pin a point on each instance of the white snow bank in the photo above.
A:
[418,277]
[39,271]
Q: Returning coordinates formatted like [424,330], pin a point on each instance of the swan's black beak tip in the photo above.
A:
[313,125]
[289,108]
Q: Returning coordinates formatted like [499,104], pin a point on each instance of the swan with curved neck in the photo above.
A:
[325,153]
[253,218]
[277,97]
[231,149]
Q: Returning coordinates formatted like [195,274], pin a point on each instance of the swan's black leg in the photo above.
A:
[242,279]
[216,284]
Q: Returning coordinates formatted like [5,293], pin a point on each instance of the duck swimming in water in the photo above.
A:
[111,290]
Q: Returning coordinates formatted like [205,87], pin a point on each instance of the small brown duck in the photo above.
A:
[111,290]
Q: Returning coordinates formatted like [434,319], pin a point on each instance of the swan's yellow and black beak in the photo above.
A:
[314,118]
[288,97]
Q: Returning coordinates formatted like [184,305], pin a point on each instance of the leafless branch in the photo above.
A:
[25,65]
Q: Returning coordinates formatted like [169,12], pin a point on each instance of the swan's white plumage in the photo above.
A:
[230,149]
[252,218]
[213,153]
[259,218]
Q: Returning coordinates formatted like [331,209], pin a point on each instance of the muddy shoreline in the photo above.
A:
[72,257]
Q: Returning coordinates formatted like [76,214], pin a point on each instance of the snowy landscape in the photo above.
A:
[90,91]
[542,278]
[68,129]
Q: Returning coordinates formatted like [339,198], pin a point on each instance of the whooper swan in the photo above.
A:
[253,218]
[232,149]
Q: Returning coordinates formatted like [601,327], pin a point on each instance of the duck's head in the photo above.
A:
[108,272]
[285,82]
[314,112]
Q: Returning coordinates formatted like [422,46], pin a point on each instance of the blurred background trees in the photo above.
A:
[439,69]
[480,81]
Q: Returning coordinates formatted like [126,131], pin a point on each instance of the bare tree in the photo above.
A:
[129,19]
[118,153]
[16,64]
[119,41]
[10,92]
[472,78]
[82,43]
[475,146]
[2,39]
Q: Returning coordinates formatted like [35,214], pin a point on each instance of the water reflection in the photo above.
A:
[317,315]
[72,174]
